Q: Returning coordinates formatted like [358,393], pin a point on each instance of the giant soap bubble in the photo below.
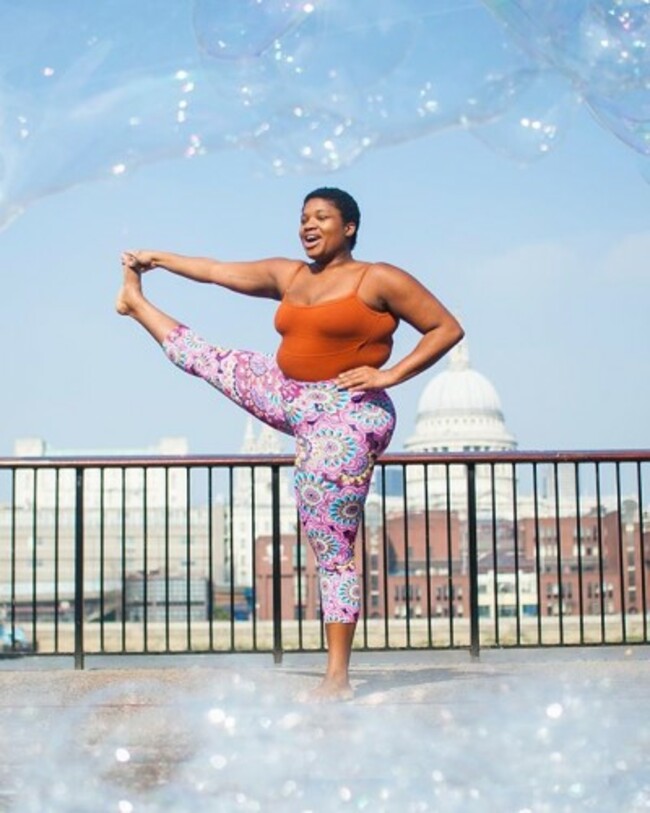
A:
[602,47]
[94,90]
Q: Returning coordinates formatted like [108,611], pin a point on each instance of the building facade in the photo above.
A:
[136,525]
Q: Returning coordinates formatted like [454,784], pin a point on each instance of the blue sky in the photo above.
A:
[546,265]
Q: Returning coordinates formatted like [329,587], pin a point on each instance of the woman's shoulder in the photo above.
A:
[377,281]
[283,263]
[382,267]
[385,285]
[383,273]
[283,268]
[285,271]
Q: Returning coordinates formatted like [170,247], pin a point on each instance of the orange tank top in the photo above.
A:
[323,340]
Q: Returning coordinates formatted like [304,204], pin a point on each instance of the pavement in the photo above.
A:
[527,731]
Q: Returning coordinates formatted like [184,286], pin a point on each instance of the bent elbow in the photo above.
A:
[456,333]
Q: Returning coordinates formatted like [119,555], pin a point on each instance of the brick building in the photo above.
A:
[588,566]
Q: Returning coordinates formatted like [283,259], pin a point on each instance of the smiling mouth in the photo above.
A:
[310,240]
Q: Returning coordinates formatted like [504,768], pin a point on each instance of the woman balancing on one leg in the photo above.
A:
[327,384]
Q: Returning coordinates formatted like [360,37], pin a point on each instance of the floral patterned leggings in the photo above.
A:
[339,435]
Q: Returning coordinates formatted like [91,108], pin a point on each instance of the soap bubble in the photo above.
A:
[95,90]
[627,116]
[644,168]
[302,141]
[538,26]
[602,47]
[343,47]
[455,75]
[232,29]
[541,107]
[607,47]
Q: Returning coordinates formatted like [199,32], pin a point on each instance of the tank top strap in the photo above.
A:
[292,280]
[361,277]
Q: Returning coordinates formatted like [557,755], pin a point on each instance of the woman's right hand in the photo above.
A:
[139,261]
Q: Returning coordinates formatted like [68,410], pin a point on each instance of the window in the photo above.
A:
[507,611]
[299,556]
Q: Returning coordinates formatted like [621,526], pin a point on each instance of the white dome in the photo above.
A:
[460,409]
[459,389]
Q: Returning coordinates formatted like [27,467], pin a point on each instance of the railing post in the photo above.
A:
[79,570]
[472,552]
[277,564]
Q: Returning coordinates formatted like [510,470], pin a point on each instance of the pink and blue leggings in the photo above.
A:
[339,435]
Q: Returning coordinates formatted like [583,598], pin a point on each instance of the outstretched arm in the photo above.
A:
[265,278]
[407,299]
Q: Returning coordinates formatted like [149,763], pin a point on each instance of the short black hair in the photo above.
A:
[344,202]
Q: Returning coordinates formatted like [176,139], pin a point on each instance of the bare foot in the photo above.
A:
[130,292]
[330,691]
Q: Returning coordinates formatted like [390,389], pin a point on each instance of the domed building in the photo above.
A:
[459,411]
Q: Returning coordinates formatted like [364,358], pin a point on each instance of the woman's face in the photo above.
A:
[322,231]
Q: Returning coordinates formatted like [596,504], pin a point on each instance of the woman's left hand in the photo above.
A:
[364,378]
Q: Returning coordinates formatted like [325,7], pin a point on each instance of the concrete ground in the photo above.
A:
[527,731]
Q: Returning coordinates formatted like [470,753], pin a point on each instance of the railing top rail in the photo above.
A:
[397,458]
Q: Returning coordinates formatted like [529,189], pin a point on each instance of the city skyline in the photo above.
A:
[562,555]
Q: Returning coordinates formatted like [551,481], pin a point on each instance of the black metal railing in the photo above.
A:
[192,554]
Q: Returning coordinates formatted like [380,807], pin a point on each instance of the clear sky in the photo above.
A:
[545,264]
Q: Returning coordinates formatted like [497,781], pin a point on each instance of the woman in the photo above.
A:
[326,386]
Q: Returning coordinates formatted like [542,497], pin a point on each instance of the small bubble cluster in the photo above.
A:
[305,86]
[247,747]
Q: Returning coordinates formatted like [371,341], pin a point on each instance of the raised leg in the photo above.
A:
[132,302]
[252,380]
